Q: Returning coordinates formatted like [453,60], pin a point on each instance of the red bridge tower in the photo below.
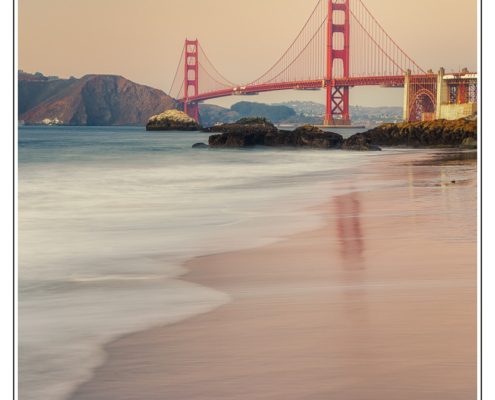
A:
[191,68]
[337,96]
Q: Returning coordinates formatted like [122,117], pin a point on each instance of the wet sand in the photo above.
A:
[379,303]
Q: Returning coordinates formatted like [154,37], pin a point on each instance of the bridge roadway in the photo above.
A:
[310,84]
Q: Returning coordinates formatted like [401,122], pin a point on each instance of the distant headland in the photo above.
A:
[91,100]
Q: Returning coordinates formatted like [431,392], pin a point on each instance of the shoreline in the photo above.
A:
[169,360]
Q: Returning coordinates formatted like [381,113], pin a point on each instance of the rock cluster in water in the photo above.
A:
[48,121]
[199,145]
[255,121]
[426,134]
[244,125]
[260,131]
[172,120]
[254,131]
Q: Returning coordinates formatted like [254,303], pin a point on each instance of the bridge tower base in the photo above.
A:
[192,110]
[337,96]
[405,112]
[443,93]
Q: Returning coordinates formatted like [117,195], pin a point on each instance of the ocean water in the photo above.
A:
[107,217]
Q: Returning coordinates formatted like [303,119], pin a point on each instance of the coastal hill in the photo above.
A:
[211,114]
[34,91]
[296,113]
[91,100]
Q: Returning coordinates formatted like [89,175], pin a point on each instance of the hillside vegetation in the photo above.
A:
[276,114]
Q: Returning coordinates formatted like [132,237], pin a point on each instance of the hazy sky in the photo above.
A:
[143,40]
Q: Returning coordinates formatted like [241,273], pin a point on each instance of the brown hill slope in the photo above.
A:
[102,100]
[31,93]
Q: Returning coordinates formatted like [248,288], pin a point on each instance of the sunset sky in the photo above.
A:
[143,40]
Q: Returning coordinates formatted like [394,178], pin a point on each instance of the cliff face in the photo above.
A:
[101,100]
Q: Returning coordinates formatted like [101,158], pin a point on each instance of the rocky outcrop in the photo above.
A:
[425,134]
[246,132]
[263,133]
[93,100]
[172,120]
[236,140]
[303,139]
[199,146]
[359,143]
[308,129]
[255,121]
[253,125]
[48,121]
[469,143]
[433,134]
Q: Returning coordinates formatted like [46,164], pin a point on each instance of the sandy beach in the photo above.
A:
[378,303]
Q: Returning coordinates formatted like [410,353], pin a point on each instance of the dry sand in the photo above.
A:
[380,303]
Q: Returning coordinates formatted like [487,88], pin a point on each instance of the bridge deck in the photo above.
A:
[392,81]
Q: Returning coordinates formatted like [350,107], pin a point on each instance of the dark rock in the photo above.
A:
[236,140]
[308,129]
[238,136]
[237,128]
[301,139]
[246,132]
[252,125]
[359,142]
[424,134]
[255,121]
[199,146]
[469,143]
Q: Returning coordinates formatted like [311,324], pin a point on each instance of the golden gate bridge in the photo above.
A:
[340,46]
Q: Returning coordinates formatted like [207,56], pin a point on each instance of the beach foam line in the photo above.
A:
[118,278]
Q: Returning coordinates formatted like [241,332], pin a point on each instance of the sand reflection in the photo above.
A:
[348,210]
